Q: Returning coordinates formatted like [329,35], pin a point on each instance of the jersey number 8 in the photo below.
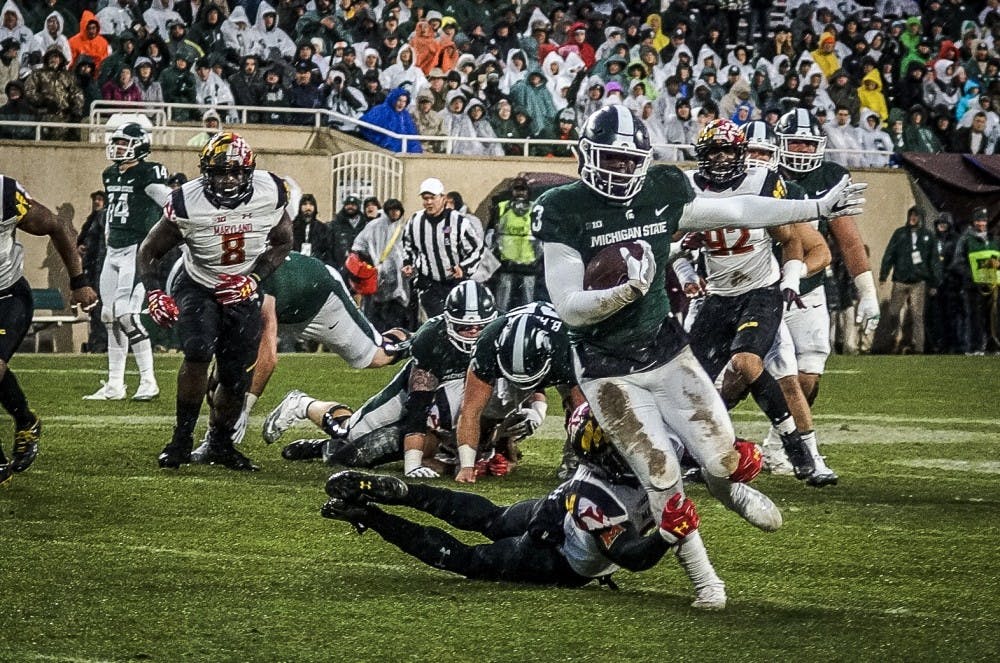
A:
[233,252]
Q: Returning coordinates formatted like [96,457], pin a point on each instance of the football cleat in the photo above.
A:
[26,446]
[147,391]
[304,449]
[498,465]
[798,454]
[6,472]
[213,452]
[775,459]
[755,507]
[482,468]
[710,597]
[338,509]
[107,392]
[360,488]
[290,411]
[175,454]
[823,476]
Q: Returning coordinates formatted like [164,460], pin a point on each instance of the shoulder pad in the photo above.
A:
[16,201]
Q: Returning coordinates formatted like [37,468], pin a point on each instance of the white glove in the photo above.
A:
[640,271]
[240,427]
[868,313]
[524,422]
[843,199]
[422,472]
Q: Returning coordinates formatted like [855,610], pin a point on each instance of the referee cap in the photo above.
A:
[433,186]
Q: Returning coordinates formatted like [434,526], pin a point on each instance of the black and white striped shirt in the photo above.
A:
[435,245]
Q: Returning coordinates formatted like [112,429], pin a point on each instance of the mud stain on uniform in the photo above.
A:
[703,414]
[628,431]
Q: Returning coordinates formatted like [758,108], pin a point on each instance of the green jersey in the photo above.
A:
[434,352]
[575,215]
[812,185]
[484,357]
[130,210]
[301,286]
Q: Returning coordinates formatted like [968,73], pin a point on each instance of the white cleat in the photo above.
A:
[775,459]
[147,391]
[755,507]
[710,597]
[107,392]
[290,411]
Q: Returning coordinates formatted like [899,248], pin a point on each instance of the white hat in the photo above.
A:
[433,186]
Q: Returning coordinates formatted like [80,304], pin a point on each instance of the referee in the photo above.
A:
[441,246]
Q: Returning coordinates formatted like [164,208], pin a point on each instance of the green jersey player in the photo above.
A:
[135,189]
[632,359]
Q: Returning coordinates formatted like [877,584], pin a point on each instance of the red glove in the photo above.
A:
[751,461]
[679,519]
[791,297]
[162,308]
[235,288]
[693,241]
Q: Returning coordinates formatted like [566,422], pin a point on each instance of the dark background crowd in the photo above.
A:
[883,76]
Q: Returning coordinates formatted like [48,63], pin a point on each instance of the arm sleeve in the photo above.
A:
[160,193]
[745,211]
[624,546]
[417,405]
[564,280]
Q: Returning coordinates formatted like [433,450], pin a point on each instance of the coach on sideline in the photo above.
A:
[442,247]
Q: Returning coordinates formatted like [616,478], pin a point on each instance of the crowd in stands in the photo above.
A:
[883,76]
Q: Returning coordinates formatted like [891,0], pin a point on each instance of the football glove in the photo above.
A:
[640,270]
[240,427]
[868,313]
[422,472]
[751,462]
[791,277]
[679,519]
[162,308]
[236,288]
[522,423]
[843,199]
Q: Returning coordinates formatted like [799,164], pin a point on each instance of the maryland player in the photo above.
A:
[18,211]
[631,357]
[135,189]
[236,232]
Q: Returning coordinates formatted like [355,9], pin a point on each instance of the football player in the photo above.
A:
[136,189]
[584,530]
[801,145]
[739,319]
[394,422]
[631,357]
[237,232]
[19,211]
[310,299]
[516,358]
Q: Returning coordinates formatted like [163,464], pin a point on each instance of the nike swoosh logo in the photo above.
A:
[662,209]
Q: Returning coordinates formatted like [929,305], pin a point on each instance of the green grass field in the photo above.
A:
[105,557]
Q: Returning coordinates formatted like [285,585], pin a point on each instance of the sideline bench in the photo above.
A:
[50,300]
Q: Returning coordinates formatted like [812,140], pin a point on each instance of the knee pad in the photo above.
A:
[134,329]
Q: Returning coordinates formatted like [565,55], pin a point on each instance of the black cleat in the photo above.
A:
[304,449]
[6,472]
[798,455]
[337,509]
[353,487]
[175,454]
[26,446]
[823,477]
[225,454]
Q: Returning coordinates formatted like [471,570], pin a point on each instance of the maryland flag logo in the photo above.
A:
[21,203]
[779,189]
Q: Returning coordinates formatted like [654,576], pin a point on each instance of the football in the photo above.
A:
[608,269]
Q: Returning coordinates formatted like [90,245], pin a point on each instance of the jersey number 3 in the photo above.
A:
[233,252]
[717,242]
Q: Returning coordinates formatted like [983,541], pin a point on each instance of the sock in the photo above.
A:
[770,399]
[187,419]
[143,351]
[117,352]
[694,559]
[15,402]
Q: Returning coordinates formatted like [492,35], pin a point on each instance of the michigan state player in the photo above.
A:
[394,422]
[136,190]
[631,357]
[309,299]
[801,145]
[18,211]
[516,358]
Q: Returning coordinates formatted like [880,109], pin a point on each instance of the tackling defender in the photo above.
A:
[136,190]
[631,358]
[19,211]
[237,232]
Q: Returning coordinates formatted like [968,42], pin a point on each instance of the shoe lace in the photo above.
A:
[24,439]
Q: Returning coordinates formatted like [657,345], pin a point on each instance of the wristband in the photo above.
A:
[541,407]
[865,284]
[466,456]
[78,281]
[412,459]
[791,274]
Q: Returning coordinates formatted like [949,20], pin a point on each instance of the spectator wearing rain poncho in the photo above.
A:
[456,123]
[532,95]
[274,39]
[515,71]
[874,139]
[871,97]
[241,36]
[391,114]
[404,73]
[476,113]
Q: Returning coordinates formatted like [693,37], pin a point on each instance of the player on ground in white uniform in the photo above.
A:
[236,232]
[18,211]
[136,190]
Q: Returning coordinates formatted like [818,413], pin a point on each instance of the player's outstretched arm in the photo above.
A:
[564,270]
[474,400]
[40,221]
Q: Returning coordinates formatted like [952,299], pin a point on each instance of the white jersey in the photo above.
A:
[15,203]
[219,240]
[599,505]
[738,260]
